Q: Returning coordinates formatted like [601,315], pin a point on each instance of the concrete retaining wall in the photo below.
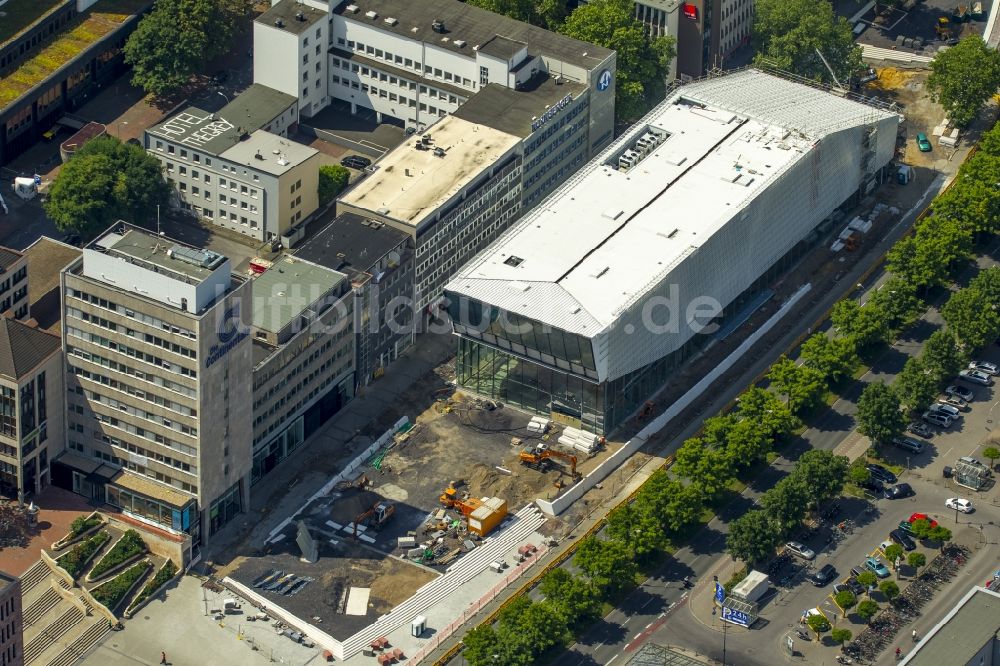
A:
[616,459]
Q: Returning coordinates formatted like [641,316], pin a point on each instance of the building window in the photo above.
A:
[484,76]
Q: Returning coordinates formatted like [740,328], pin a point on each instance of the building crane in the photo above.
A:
[840,89]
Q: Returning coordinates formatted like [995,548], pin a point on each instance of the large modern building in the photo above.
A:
[159,361]
[378,259]
[590,302]
[453,191]
[237,169]
[969,635]
[53,55]
[11,622]
[415,62]
[303,352]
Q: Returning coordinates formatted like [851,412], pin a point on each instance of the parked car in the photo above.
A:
[969,460]
[881,473]
[937,418]
[976,377]
[852,583]
[905,526]
[922,143]
[959,504]
[965,394]
[874,485]
[800,550]
[903,539]
[985,366]
[356,162]
[908,444]
[948,410]
[875,565]
[898,491]
[914,517]
[823,576]
[954,401]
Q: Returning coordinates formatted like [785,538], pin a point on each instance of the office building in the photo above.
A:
[52,59]
[159,361]
[588,304]
[452,192]
[11,623]
[415,62]
[31,407]
[969,635]
[237,170]
[14,284]
[378,259]
[303,354]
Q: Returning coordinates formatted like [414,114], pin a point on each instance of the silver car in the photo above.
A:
[940,419]
[954,401]
[984,366]
[976,377]
[962,392]
[800,550]
[950,410]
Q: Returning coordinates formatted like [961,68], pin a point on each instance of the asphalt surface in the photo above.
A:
[648,610]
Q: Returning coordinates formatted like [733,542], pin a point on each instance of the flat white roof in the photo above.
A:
[269,153]
[608,236]
[410,184]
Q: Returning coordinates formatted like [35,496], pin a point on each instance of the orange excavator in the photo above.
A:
[378,515]
[451,500]
[537,458]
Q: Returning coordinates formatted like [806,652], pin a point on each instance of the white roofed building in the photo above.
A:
[588,303]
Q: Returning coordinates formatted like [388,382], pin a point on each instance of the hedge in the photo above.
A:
[75,560]
[83,523]
[130,545]
[111,593]
[165,573]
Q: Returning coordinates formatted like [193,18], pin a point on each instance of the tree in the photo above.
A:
[974,325]
[943,355]
[535,628]
[747,442]
[822,473]
[964,77]
[767,409]
[834,358]
[818,623]
[972,199]
[481,644]
[879,414]
[608,564]
[788,33]
[785,503]
[575,596]
[637,525]
[916,384]
[865,326]
[921,528]
[706,467]
[868,579]
[889,588]
[916,560]
[752,537]
[845,600]
[858,473]
[177,39]
[942,535]
[841,636]
[991,453]
[548,14]
[801,385]
[333,178]
[684,507]
[867,610]
[894,553]
[642,62]
[897,301]
[106,181]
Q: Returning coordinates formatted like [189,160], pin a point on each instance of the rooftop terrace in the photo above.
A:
[93,24]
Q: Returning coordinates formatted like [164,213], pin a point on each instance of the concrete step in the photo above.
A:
[39,607]
[33,576]
[81,646]
[51,634]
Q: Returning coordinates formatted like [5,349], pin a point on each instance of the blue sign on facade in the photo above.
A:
[231,332]
[736,617]
[604,80]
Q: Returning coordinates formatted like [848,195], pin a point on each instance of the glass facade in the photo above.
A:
[224,509]
[182,519]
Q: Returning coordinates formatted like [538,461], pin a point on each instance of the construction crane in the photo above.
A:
[840,90]
[379,514]
[535,458]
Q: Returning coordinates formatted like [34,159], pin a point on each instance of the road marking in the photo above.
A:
[611,660]
[649,625]
[662,614]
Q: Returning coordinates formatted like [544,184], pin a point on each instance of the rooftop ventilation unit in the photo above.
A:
[439,152]
[390,20]
[258,156]
[195,257]
[300,17]
[278,23]
[283,161]
[381,211]
[371,15]
[352,8]
[437,25]
[459,43]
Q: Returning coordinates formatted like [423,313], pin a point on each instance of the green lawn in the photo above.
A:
[20,14]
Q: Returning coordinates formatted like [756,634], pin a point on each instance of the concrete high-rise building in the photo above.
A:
[159,364]
[11,623]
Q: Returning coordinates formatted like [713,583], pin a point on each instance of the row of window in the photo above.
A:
[132,372]
[148,338]
[344,351]
[112,459]
[131,314]
[131,352]
[138,412]
[128,389]
[408,63]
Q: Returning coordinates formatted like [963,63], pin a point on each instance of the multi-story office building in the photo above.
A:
[236,168]
[416,62]
[159,364]
[589,303]
[453,191]
[52,57]
[303,350]
[378,260]
[14,283]
[31,407]
[11,624]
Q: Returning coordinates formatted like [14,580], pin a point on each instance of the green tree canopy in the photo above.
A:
[846,600]
[858,473]
[841,636]
[786,502]
[889,588]
[834,358]
[942,354]
[894,553]
[868,580]
[705,466]
[607,563]
[973,200]
[921,528]
[975,324]
[940,534]
[801,385]
[106,181]
[638,524]
[333,178]
[767,409]
[643,63]
[788,33]
[991,453]
[964,77]
[916,384]
[576,597]
[752,537]
[822,473]
[818,623]
[879,414]
[866,325]
[548,14]
[916,559]
[897,301]
[867,610]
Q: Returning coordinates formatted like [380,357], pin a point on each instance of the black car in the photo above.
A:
[873,485]
[881,473]
[823,576]
[903,539]
[356,162]
[898,491]
[857,588]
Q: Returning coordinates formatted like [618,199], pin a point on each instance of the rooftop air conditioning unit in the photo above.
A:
[299,16]
[352,8]
[371,15]
[390,21]
[437,25]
